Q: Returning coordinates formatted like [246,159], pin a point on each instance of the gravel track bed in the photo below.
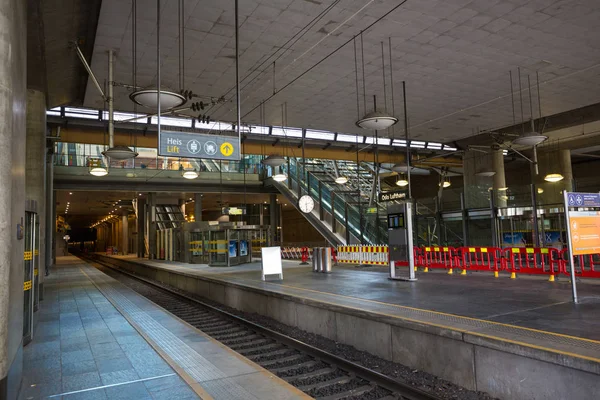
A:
[316,379]
[337,388]
[302,370]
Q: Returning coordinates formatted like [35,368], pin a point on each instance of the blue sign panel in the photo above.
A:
[583,199]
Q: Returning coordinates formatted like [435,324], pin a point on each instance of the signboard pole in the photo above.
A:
[570,247]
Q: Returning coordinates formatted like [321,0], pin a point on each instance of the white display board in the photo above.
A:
[271,262]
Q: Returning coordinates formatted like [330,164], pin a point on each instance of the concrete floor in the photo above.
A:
[97,339]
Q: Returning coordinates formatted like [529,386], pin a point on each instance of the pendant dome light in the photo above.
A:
[98,171]
[273,160]
[376,121]
[189,174]
[149,98]
[402,181]
[553,178]
[530,138]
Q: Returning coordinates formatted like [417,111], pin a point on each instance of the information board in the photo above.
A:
[271,261]
[391,196]
[198,145]
[585,232]
[583,199]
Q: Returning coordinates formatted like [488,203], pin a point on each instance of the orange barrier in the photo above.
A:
[586,266]
[533,260]
[480,259]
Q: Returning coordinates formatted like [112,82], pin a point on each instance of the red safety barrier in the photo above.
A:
[533,260]
[418,257]
[440,257]
[586,266]
[480,259]
[304,255]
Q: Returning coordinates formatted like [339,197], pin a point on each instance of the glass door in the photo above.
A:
[29,235]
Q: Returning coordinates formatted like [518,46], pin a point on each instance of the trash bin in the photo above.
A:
[326,262]
[316,259]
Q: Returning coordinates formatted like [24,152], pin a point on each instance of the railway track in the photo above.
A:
[315,372]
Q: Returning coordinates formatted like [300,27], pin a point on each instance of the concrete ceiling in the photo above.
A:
[52,65]
[455,56]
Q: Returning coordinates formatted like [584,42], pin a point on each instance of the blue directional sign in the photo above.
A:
[198,145]
[584,199]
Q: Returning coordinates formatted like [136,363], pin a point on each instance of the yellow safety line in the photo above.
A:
[448,315]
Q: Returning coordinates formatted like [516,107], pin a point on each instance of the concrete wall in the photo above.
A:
[297,229]
[504,370]
[13,68]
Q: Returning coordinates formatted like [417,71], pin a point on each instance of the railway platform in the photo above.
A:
[98,339]
[466,329]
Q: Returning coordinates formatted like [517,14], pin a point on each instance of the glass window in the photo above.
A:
[349,138]
[321,135]
[287,132]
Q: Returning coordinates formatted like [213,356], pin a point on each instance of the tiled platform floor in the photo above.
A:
[86,346]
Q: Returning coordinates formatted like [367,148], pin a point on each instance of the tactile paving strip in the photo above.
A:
[214,381]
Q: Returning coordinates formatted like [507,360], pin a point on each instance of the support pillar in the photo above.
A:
[13,105]
[125,233]
[50,223]
[273,217]
[566,169]
[198,207]
[499,184]
[140,221]
[151,225]
[34,180]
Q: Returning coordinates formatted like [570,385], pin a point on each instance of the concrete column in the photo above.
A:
[34,172]
[151,225]
[273,217]
[50,223]
[553,162]
[13,105]
[140,227]
[499,181]
[476,185]
[125,233]
[566,169]
[197,207]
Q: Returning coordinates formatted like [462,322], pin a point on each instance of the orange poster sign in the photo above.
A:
[585,232]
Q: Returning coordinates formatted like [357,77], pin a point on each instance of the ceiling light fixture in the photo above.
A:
[273,160]
[540,190]
[402,182]
[280,177]
[340,180]
[149,98]
[553,178]
[190,174]
[98,171]
[376,121]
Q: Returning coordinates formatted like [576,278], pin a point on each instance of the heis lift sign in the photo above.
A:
[198,145]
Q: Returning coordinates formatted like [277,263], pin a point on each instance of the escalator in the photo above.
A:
[349,213]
